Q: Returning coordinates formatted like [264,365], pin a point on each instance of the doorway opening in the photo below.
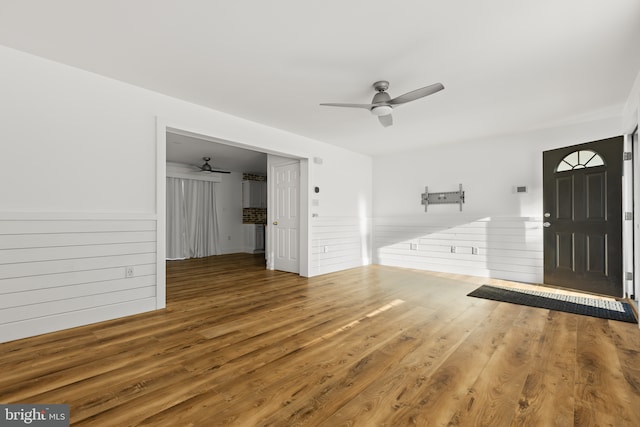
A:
[165,133]
[238,205]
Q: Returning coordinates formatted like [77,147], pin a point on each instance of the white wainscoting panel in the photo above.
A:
[507,248]
[60,271]
[339,243]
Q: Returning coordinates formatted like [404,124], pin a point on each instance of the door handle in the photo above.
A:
[275,222]
[546,224]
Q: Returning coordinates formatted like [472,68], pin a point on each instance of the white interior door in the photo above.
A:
[285,225]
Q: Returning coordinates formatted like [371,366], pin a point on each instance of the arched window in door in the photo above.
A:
[579,160]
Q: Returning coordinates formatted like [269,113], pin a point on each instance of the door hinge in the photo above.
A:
[629,275]
[628,216]
[627,155]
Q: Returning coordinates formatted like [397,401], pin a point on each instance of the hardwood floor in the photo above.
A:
[372,346]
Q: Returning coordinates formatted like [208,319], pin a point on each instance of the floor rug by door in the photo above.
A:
[605,309]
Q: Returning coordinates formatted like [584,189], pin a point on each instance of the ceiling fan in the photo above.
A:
[382,104]
[206,167]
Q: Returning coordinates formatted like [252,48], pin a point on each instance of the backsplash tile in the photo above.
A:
[253,177]
[254,215]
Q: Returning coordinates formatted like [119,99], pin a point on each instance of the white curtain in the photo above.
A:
[192,221]
[177,246]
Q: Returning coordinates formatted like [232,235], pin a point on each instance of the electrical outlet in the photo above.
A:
[128,272]
[326,249]
[453,249]
[414,246]
[474,251]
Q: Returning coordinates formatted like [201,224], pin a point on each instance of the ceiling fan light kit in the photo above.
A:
[382,104]
[382,110]
[206,167]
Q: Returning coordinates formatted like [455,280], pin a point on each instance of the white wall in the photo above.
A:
[341,212]
[504,225]
[631,111]
[80,146]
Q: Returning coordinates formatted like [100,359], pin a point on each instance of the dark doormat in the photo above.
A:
[605,309]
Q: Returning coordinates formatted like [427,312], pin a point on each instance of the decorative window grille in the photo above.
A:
[579,160]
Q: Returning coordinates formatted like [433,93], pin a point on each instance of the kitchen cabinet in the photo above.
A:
[254,194]
[254,238]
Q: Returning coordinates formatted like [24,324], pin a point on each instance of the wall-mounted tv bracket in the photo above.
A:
[442,198]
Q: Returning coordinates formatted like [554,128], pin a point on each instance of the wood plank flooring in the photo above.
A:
[374,346]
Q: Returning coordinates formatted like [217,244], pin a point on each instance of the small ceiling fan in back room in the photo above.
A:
[382,104]
[206,167]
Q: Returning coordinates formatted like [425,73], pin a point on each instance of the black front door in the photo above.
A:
[582,188]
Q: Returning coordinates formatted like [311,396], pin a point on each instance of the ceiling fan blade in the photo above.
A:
[367,106]
[212,170]
[386,121]
[416,94]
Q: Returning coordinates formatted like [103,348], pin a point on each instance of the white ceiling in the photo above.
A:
[507,65]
